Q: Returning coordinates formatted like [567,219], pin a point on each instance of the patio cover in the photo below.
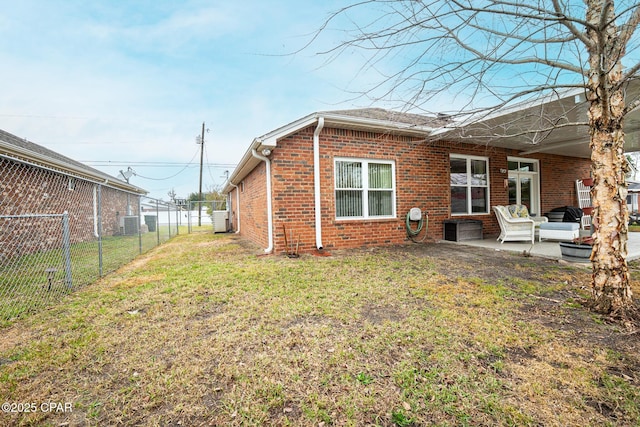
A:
[518,126]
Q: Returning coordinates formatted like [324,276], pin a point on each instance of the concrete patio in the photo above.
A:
[546,248]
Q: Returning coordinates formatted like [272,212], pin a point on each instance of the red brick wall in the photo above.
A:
[253,206]
[30,190]
[422,180]
[557,180]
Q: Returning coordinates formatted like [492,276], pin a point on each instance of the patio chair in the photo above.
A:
[584,202]
[518,228]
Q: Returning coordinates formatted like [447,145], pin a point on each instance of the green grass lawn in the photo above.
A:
[202,331]
[24,281]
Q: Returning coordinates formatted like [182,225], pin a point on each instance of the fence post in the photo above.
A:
[66,244]
[177,220]
[168,206]
[158,221]
[189,217]
[99,219]
[140,224]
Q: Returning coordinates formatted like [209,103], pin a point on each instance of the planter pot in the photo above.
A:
[575,252]
[587,182]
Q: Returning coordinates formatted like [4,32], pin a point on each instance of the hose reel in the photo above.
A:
[415,215]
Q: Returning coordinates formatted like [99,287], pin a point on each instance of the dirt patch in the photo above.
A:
[555,307]
[382,313]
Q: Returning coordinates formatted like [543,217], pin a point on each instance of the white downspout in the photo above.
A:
[237,204]
[95,210]
[269,208]
[316,181]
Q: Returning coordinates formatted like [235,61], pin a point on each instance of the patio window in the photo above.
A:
[364,189]
[469,182]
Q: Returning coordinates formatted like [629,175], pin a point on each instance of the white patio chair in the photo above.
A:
[584,202]
[514,229]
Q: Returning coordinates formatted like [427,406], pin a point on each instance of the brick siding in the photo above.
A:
[30,190]
[253,206]
[422,180]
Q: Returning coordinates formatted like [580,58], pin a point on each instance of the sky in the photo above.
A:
[120,84]
[128,83]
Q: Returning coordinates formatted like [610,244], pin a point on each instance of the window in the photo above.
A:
[469,181]
[365,188]
[522,165]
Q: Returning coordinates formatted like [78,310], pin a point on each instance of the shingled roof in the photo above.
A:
[395,116]
[24,150]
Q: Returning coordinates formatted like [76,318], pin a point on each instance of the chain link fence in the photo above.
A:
[207,215]
[59,233]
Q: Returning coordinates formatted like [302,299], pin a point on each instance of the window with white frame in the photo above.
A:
[365,188]
[469,181]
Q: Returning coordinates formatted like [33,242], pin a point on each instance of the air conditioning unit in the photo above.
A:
[131,225]
[220,223]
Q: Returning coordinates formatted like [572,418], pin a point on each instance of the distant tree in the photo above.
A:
[194,197]
[632,159]
[172,195]
[217,199]
[506,51]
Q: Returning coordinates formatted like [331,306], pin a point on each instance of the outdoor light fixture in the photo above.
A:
[266,152]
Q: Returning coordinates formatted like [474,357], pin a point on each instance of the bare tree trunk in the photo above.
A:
[611,291]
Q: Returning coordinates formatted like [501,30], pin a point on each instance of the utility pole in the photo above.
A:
[200,187]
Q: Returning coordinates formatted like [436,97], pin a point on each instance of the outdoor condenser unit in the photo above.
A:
[220,221]
[131,224]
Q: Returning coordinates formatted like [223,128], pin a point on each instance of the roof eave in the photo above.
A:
[30,157]
[270,140]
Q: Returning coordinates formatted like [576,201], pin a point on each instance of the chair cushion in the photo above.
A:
[518,211]
[569,226]
[503,210]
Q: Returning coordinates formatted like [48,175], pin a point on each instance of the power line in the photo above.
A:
[152,164]
[206,154]
[172,176]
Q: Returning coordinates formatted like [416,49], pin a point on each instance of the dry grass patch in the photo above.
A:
[201,331]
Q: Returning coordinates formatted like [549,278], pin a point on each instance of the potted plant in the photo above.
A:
[577,251]
[588,210]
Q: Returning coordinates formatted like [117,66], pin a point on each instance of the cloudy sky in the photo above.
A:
[128,83]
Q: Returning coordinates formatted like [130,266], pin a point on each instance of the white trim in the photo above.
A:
[468,185]
[535,175]
[331,119]
[316,182]
[96,218]
[365,188]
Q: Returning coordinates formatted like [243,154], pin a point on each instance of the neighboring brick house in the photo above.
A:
[36,182]
[363,170]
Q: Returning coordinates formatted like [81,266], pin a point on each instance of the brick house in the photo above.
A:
[345,179]
[36,183]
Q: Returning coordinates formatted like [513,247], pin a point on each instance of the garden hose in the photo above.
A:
[412,234]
